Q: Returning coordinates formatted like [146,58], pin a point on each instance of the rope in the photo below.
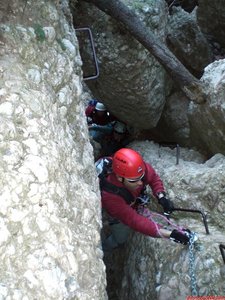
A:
[145,212]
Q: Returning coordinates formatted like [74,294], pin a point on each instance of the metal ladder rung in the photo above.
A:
[91,77]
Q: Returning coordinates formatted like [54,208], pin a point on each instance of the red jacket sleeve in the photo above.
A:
[153,179]
[119,209]
[89,110]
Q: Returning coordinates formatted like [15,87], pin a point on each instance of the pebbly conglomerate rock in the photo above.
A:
[50,215]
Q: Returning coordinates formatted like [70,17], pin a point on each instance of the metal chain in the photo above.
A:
[192,266]
[193,237]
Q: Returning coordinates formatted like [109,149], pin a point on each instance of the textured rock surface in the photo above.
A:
[187,42]
[211,19]
[131,80]
[50,215]
[159,269]
[173,125]
[193,125]
[207,121]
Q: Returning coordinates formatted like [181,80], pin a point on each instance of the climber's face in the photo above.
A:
[133,184]
[100,113]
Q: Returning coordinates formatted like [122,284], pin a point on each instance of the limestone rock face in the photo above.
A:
[159,269]
[187,42]
[50,216]
[194,125]
[135,88]
[211,19]
[173,125]
[131,81]
[50,213]
[207,121]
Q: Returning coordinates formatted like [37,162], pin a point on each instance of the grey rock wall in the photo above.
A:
[131,81]
[50,216]
[135,88]
[194,125]
[159,269]
[187,42]
[207,121]
[211,19]
[173,125]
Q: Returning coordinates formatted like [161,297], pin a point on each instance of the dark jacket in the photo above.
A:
[104,119]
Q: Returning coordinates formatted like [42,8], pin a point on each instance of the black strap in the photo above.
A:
[111,188]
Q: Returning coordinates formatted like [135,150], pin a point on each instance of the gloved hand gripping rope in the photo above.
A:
[179,234]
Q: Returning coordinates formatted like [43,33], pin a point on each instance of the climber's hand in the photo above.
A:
[165,202]
[182,237]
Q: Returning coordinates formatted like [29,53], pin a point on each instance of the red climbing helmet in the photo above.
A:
[128,163]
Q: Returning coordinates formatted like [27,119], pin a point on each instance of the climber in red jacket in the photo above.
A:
[97,113]
[121,190]
[100,121]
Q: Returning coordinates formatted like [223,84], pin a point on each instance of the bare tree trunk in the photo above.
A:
[191,86]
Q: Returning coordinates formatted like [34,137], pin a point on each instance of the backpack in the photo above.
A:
[104,168]
[92,102]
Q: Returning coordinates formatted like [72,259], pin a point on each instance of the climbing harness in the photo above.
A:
[143,199]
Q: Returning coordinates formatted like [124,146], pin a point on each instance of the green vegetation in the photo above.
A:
[40,34]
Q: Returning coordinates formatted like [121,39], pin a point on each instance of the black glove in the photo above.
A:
[182,237]
[165,202]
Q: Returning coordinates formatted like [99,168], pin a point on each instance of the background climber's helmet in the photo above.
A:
[100,106]
[128,163]
[119,127]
